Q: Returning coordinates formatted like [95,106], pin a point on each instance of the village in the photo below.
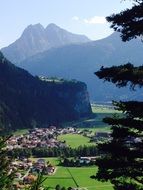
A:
[40,137]
[47,137]
[27,168]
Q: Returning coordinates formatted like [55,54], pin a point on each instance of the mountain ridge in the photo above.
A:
[80,61]
[36,38]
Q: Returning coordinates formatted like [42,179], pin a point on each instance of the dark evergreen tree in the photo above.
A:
[129,22]
[6,176]
[58,187]
[63,188]
[122,160]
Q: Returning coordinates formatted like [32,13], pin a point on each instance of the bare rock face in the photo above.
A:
[36,39]
[77,95]
[83,106]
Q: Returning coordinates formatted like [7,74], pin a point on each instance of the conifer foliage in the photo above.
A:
[122,157]
[6,177]
[129,22]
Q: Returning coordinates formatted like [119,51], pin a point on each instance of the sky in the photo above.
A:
[77,16]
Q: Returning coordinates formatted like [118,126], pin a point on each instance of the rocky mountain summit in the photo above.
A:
[36,39]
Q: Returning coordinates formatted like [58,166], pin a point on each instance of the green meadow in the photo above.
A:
[75,140]
[73,177]
[103,109]
[76,177]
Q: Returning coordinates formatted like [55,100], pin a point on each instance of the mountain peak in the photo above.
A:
[36,39]
[32,28]
[52,25]
[53,28]
[38,25]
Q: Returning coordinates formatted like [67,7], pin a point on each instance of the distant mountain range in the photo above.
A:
[79,60]
[36,38]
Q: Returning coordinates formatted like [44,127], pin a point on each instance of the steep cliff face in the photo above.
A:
[27,101]
[82,102]
[75,94]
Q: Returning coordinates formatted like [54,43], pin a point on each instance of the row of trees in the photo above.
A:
[76,162]
[54,152]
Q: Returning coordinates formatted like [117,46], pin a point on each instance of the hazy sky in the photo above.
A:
[78,16]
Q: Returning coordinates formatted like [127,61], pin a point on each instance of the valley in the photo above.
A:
[55,52]
[73,143]
[71,100]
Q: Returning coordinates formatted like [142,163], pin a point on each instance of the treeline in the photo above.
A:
[54,152]
[76,162]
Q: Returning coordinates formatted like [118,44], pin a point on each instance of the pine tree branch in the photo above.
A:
[122,75]
[129,22]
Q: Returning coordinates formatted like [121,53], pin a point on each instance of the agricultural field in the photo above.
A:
[103,109]
[76,177]
[75,140]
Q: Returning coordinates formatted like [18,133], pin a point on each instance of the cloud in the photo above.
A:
[95,20]
[75,18]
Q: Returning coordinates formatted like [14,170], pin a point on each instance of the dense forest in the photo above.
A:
[28,101]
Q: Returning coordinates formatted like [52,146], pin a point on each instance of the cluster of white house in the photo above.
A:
[39,137]
[26,170]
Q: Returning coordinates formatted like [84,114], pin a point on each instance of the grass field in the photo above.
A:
[103,109]
[75,140]
[76,177]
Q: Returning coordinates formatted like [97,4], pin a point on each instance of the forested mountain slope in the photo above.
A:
[27,101]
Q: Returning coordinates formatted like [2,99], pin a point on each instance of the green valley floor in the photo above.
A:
[76,177]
